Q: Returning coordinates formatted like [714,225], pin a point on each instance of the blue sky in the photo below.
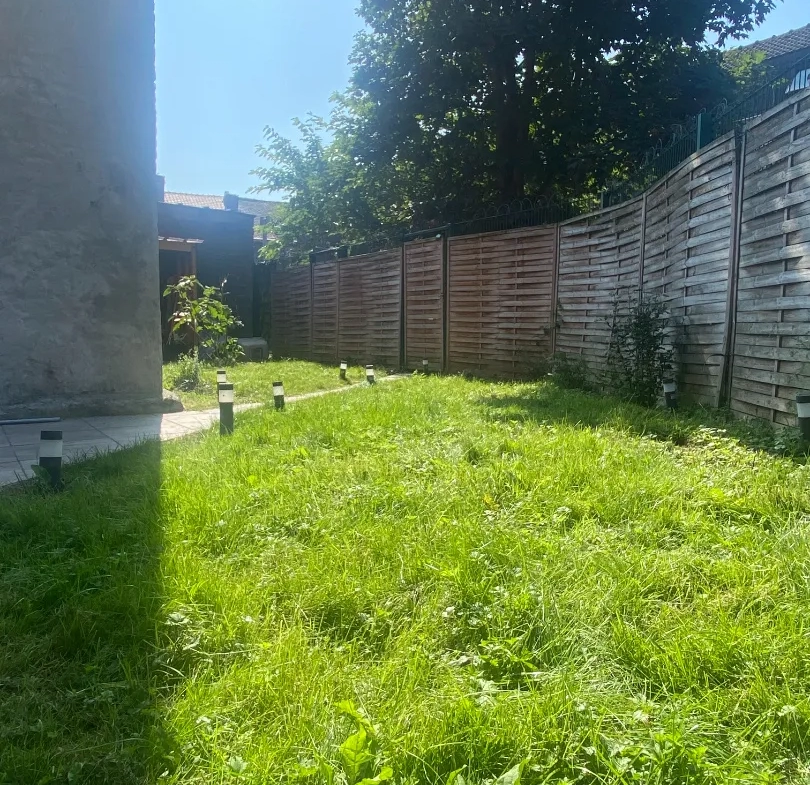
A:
[228,68]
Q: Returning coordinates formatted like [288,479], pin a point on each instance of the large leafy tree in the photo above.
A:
[456,104]
[527,96]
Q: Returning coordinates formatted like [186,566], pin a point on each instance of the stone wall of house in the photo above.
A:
[79,315]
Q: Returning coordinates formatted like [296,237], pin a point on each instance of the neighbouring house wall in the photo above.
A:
[227,252]
[79,316]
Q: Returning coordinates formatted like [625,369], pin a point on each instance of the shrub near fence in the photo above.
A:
[723,239]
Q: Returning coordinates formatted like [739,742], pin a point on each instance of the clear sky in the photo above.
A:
[228,68]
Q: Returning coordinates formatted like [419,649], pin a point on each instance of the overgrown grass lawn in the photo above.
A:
[502,580]
[254,381]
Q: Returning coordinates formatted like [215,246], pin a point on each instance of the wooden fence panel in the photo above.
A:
[688,224]
[279,298]
[599,259]
[290,313]
[424,303]
[501,302]
[325,312]
[369,307]
[772,346]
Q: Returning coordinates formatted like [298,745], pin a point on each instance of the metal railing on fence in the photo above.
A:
[704,128]
[686,139]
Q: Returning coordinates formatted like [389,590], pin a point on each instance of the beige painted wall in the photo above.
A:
[79,312]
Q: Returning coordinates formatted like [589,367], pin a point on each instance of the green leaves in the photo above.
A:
[201,318]
[237,765]
[455,777]
[512,777]
[355,756]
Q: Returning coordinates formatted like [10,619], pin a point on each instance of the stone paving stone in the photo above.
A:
[10,473]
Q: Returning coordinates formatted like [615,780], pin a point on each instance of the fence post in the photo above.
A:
[705,131]
[555,283]
[337,311]
[402,294]
[642,250]
[724,384]
[445,299]
[311,308]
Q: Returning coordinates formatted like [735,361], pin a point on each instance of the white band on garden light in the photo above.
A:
[278,389]
[226,396]
[50,449]
[670,387]
[803,410]
[344,366]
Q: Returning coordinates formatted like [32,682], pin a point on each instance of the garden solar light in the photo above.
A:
[671,394]
[425,365]
[278,395]
[803,413]
[370,377]
[344,366]
[222,377]
[50,456]
[225,409]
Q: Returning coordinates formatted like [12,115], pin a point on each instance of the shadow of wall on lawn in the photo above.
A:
[80,596]
[546,402]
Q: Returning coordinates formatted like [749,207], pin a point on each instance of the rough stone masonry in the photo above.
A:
[79,315]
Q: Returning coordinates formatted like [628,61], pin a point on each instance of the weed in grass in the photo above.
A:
[508,583]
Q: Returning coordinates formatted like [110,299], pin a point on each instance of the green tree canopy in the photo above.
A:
[455,104]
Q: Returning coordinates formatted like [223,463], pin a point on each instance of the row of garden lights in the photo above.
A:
[802,407]
[51,443]
[227,396]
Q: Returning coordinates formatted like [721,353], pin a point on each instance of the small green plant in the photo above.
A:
[186,375]
[202,319]
[571,372]
[638,359]
[357,757]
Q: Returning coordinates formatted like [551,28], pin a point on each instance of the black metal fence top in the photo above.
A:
[726,118]
[685,140]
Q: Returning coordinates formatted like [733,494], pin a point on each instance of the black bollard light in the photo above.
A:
[344,366]
[50,456]
[222,377]
[278,395]
[425,366]
[226,396]
[671,395]
[371,378]
[803,413]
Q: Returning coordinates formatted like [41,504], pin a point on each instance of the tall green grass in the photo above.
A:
[254,381]
[500,579]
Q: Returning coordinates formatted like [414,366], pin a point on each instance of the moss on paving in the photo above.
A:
[491,574]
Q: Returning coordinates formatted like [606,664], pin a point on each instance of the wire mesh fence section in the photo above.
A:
[726,118]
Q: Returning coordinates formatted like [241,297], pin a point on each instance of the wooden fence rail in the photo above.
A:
[723,239]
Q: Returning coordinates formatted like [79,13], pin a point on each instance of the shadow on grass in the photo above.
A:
[546,402]
[80,595]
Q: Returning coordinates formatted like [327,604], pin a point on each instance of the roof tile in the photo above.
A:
[778,45]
